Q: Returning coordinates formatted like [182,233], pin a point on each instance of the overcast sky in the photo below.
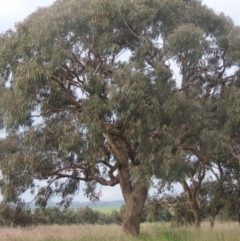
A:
[12,11]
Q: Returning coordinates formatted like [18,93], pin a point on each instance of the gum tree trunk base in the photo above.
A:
[133,211]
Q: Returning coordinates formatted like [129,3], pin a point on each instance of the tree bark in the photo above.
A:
[134,191]
[134,209]
[211,220]
[214,211]
[196,213]
[191,195]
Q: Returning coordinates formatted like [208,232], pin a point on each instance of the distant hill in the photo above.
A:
[77,204]
[98,204]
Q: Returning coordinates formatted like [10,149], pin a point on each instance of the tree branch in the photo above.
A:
[89,176]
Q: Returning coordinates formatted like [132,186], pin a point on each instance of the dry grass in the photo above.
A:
[154,232]
[57,232]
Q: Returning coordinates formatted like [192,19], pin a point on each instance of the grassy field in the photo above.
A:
[106,209]
[151,232]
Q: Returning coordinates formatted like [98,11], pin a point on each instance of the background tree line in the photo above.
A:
[21,216]
[170,208]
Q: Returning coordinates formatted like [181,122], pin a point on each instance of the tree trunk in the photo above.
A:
[214,211]
[196,213]
[134,209]
[191,195]
[211,220]
[134,192]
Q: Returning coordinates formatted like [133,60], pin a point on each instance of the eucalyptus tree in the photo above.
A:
[222,190]
[206,110]
[88,95]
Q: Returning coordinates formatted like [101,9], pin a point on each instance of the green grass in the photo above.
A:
[149,232]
